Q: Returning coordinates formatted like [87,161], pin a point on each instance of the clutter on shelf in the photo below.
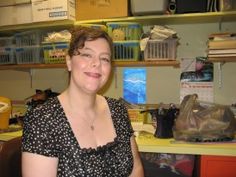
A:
[221,46]
[126,37]
[160,43]
[40,97]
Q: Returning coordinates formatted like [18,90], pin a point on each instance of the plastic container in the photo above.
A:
[55,52]
[7,56]
[6,42]
[126,50]
[149,7]
[29,38]
[29,55]
[5,112]
[120,31]
[161,50]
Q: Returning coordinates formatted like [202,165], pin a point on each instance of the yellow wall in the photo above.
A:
[162,82]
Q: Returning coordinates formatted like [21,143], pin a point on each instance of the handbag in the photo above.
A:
[203,122]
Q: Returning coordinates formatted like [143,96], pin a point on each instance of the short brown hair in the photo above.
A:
[81,34]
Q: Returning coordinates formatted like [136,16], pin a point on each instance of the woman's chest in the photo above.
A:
[113,159]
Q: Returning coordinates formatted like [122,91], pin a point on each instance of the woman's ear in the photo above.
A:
[68,62]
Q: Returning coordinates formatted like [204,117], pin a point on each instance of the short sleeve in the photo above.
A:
[38,136]
[127,121]
[121,119]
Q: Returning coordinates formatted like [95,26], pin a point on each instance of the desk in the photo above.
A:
[148,143]
[10,154]
[216,159]
[13,132]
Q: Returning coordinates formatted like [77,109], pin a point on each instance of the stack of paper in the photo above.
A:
[222,45]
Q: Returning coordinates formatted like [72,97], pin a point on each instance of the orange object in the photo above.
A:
[91,9]
[217,166]
[5,112]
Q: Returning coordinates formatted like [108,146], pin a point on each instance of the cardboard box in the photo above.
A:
[13,2]
[50,10]
[14,15]
[98,9]
[136,116]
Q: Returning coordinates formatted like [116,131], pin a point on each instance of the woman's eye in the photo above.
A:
[106,59]
[86,55]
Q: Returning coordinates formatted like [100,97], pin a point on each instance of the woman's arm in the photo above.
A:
[138,167]
[35,165]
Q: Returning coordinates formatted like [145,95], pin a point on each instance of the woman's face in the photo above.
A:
[90,69]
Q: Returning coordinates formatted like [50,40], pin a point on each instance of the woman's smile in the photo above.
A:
[93,74]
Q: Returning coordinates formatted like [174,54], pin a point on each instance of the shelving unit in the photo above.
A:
[8,30]
[171,19]
[223,59]
[145,20]
[148,19]
[115,63]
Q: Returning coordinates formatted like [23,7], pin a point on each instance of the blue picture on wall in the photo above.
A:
[134,85]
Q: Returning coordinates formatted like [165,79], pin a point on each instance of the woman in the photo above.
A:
[81,133]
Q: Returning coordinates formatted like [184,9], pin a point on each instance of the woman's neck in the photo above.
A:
[80,101]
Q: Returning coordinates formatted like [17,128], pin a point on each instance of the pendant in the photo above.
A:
[92,127]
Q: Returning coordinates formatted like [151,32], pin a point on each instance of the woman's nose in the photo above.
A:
[96,61]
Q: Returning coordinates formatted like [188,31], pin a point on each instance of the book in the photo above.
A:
[221,36]
[222,44]
[222,55]
[222,51]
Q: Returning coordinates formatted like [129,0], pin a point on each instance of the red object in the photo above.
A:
[217,166]
[185,166]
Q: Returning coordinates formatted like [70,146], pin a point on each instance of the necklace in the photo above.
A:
[91,126]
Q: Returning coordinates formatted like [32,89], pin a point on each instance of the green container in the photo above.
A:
[126,51]
[55,52]
[120,31]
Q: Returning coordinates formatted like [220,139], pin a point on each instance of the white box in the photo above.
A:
[14,15]
[148,7]
[50,10]
[13,2]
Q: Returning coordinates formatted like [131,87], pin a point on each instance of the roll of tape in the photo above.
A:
[172,7]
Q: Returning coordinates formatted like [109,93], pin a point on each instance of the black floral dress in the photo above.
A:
[47,132]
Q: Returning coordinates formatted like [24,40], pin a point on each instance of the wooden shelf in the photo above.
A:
[173,63]
[31,66]
[146,20]
[115,63]
[11,29]
[207,17]
[222,59]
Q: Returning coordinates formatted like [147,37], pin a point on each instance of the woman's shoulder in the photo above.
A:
[114,101]
[117,107]
[51,106]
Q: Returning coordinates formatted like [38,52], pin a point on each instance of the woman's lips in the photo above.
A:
[94,75]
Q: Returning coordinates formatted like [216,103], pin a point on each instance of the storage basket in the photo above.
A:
[7,55]
[6,41]
[55,52]
[161,50]
[29,38]
[29,55]
[120,31]
[126,50]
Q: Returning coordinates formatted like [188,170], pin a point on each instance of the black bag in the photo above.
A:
[164,119]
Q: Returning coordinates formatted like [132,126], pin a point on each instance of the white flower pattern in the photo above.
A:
[46,131]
